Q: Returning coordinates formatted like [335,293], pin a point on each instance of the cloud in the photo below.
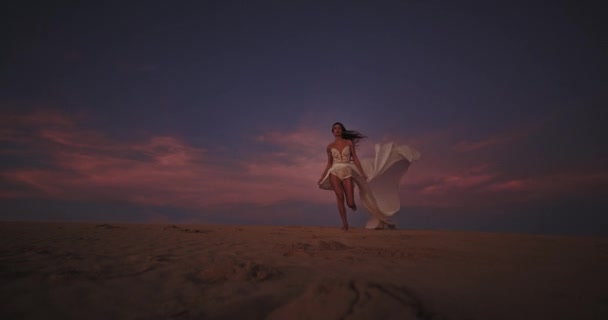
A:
[561,184]
[465,146]
[447,183]
[494,188]
[67,161]
[158,170]
[500,138]
[472,174]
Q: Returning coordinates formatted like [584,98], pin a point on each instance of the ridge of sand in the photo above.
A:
[139,271]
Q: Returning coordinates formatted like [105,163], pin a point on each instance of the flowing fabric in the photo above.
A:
[380,193]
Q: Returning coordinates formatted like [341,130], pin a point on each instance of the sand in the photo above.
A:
[131,271]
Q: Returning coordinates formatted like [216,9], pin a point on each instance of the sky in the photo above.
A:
[220,111]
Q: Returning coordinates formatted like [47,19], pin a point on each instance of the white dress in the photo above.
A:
[380,193]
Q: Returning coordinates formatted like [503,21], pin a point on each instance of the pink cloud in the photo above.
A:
[555,184]
[448,176]
[511,185]
[166,170]
[454,181]
[500,138]
[162,170]
[464,146]
[492,189]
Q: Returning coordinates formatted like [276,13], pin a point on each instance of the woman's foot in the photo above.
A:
[353,206]
[380,226]
[345,227]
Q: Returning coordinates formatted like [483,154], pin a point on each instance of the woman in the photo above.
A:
[339,169]
[377,179]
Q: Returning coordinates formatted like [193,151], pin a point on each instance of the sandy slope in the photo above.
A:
[100,271]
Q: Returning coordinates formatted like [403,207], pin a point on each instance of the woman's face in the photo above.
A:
[337,130]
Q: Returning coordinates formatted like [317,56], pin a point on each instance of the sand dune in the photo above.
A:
[129,271]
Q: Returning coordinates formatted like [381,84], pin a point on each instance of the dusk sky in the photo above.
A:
[220,111]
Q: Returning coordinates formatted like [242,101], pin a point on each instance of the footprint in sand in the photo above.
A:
[332,245]
[356,300]
[299,248]
[106,226]
[187,230]
[230,268]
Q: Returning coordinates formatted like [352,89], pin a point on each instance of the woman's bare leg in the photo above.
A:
[336,184]
[349,189]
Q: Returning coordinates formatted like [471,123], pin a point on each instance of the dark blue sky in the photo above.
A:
[204,102]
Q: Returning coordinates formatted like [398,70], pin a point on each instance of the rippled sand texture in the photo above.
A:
[127,271]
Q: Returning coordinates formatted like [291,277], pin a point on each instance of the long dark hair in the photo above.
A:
[353,135]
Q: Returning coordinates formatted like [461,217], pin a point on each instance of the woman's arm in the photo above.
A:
[353,154]
[330,161]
